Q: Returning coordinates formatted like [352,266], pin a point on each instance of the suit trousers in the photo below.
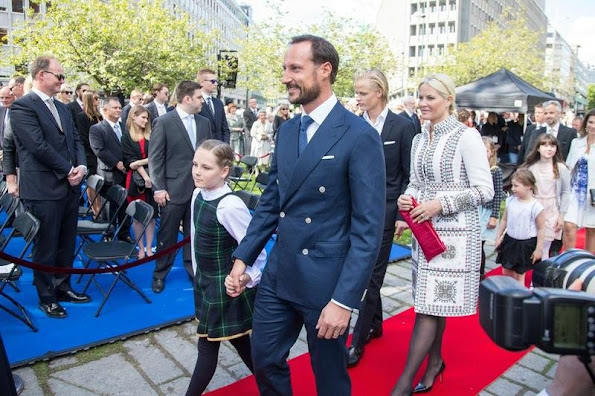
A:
[370,313]
[55,242]
[167,235]
[276,326]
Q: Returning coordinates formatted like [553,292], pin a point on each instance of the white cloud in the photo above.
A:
[581,32]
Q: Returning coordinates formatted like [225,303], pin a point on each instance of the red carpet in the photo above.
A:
[473,361]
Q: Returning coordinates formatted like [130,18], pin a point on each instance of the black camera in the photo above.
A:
[561,271]
[555,320]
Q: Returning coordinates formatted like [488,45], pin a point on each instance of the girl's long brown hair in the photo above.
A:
[534,155]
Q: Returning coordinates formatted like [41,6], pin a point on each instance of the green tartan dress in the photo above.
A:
[220,317]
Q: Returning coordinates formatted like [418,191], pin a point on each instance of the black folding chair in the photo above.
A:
[26,225]
[242,176]
[3,187]
[114,197]
[109,254]
[8,205]
[250,199]
[261,181]
[95,182]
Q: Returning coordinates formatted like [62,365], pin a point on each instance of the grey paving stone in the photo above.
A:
[405,297]
[239,371]
[189,328]
[112,374]
[504,387]
[32,387]
[178,386]
[62,361]
[59,387]
[395,281]
[181,349]
[389,291]
[228,355]
[152,361]
[536,362]
[532,380]
[552,371]
[299,348]
[221,378]
[399,270]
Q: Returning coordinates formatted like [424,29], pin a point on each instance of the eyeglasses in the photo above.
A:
[67,92]
[213,81]
[60,77]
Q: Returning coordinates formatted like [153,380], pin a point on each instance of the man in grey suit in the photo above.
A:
[105,138]
[173,142]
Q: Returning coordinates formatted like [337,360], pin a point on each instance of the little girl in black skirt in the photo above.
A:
[520,237]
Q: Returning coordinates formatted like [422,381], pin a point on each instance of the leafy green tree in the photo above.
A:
[120,44]
[591,97]
[513,46]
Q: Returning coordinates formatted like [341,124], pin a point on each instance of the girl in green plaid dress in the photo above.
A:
[219,222]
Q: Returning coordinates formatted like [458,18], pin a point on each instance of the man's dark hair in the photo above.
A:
[186,88]
[79,86]
[157,88]
[40,63]
[322,51]
[19,80]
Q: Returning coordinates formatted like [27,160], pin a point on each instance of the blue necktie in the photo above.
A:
[303,139]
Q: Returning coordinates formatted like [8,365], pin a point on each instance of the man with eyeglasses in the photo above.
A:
[213,109]
[52,166]
[17,87]
[76,106]
[136,98]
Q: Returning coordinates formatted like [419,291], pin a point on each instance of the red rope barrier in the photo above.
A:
[118,268]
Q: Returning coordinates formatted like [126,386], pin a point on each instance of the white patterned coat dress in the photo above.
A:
[453,168]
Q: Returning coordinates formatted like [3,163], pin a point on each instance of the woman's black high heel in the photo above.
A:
[421,388]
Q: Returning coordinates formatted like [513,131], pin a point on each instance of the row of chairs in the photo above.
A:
[241,175]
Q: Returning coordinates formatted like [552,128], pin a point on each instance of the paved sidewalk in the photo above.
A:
[161,362]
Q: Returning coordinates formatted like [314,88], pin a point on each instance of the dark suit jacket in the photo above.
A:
[75,108]
[83,125]
[46,153]
[565,136]
[125,111]
[396,136]
[219,127]
[153,113]
[171,154]
[249,118]
[108,149]
[328,206]
[414,120]
[526,138]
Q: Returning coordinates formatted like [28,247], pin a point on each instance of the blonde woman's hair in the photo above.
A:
[136,134]
[493,160]
[444,86]
[378,81]
[89,107]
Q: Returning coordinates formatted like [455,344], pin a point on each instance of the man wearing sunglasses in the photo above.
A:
[76,106]
[212,108]
[16,85]
[52,167]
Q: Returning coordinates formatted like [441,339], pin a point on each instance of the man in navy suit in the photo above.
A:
[409,112]
[396,133]
[158,106]
[326,198]
[52,166]
[105,138]
[213,109]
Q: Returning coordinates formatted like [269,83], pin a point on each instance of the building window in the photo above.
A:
[17,5]
[452,5]
[432,27]
[3,5]
[413,8]
[422,29]
[441,49]
[430,50]
[34,7]
[421,51]
[442,5]
[432,6]
[441,28]
[411,71]
[3,36]
[413,30]
[451,27]
[411,51]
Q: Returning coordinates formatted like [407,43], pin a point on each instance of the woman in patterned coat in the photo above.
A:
[450,178]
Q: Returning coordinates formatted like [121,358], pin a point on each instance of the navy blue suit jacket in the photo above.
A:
[46,153]
[107,148]
[328,206]
[219,127]
[397,135]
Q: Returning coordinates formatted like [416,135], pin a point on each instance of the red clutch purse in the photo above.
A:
[426,235]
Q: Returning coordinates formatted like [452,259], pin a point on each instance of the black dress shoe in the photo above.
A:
[73,297]
[374,333]
[354,356]
[158,285]
[53,310]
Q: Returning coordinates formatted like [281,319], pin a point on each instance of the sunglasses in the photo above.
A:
[60,77]
[67,92]
[213,81]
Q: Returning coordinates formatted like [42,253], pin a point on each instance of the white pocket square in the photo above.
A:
[328,157]
[389,142]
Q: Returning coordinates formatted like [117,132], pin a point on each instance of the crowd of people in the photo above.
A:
[337,184]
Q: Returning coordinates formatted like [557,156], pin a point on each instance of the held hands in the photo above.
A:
[424,211]
[400,226]
[333,321]
[76,176]
[236,281]
[161,197]
[148,183]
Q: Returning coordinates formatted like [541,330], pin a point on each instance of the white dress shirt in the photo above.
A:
[379,124]
[319,114]
[235,217]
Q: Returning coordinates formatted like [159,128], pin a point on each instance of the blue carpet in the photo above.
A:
[125,313]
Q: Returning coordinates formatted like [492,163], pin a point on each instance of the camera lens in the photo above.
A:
[561,271]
